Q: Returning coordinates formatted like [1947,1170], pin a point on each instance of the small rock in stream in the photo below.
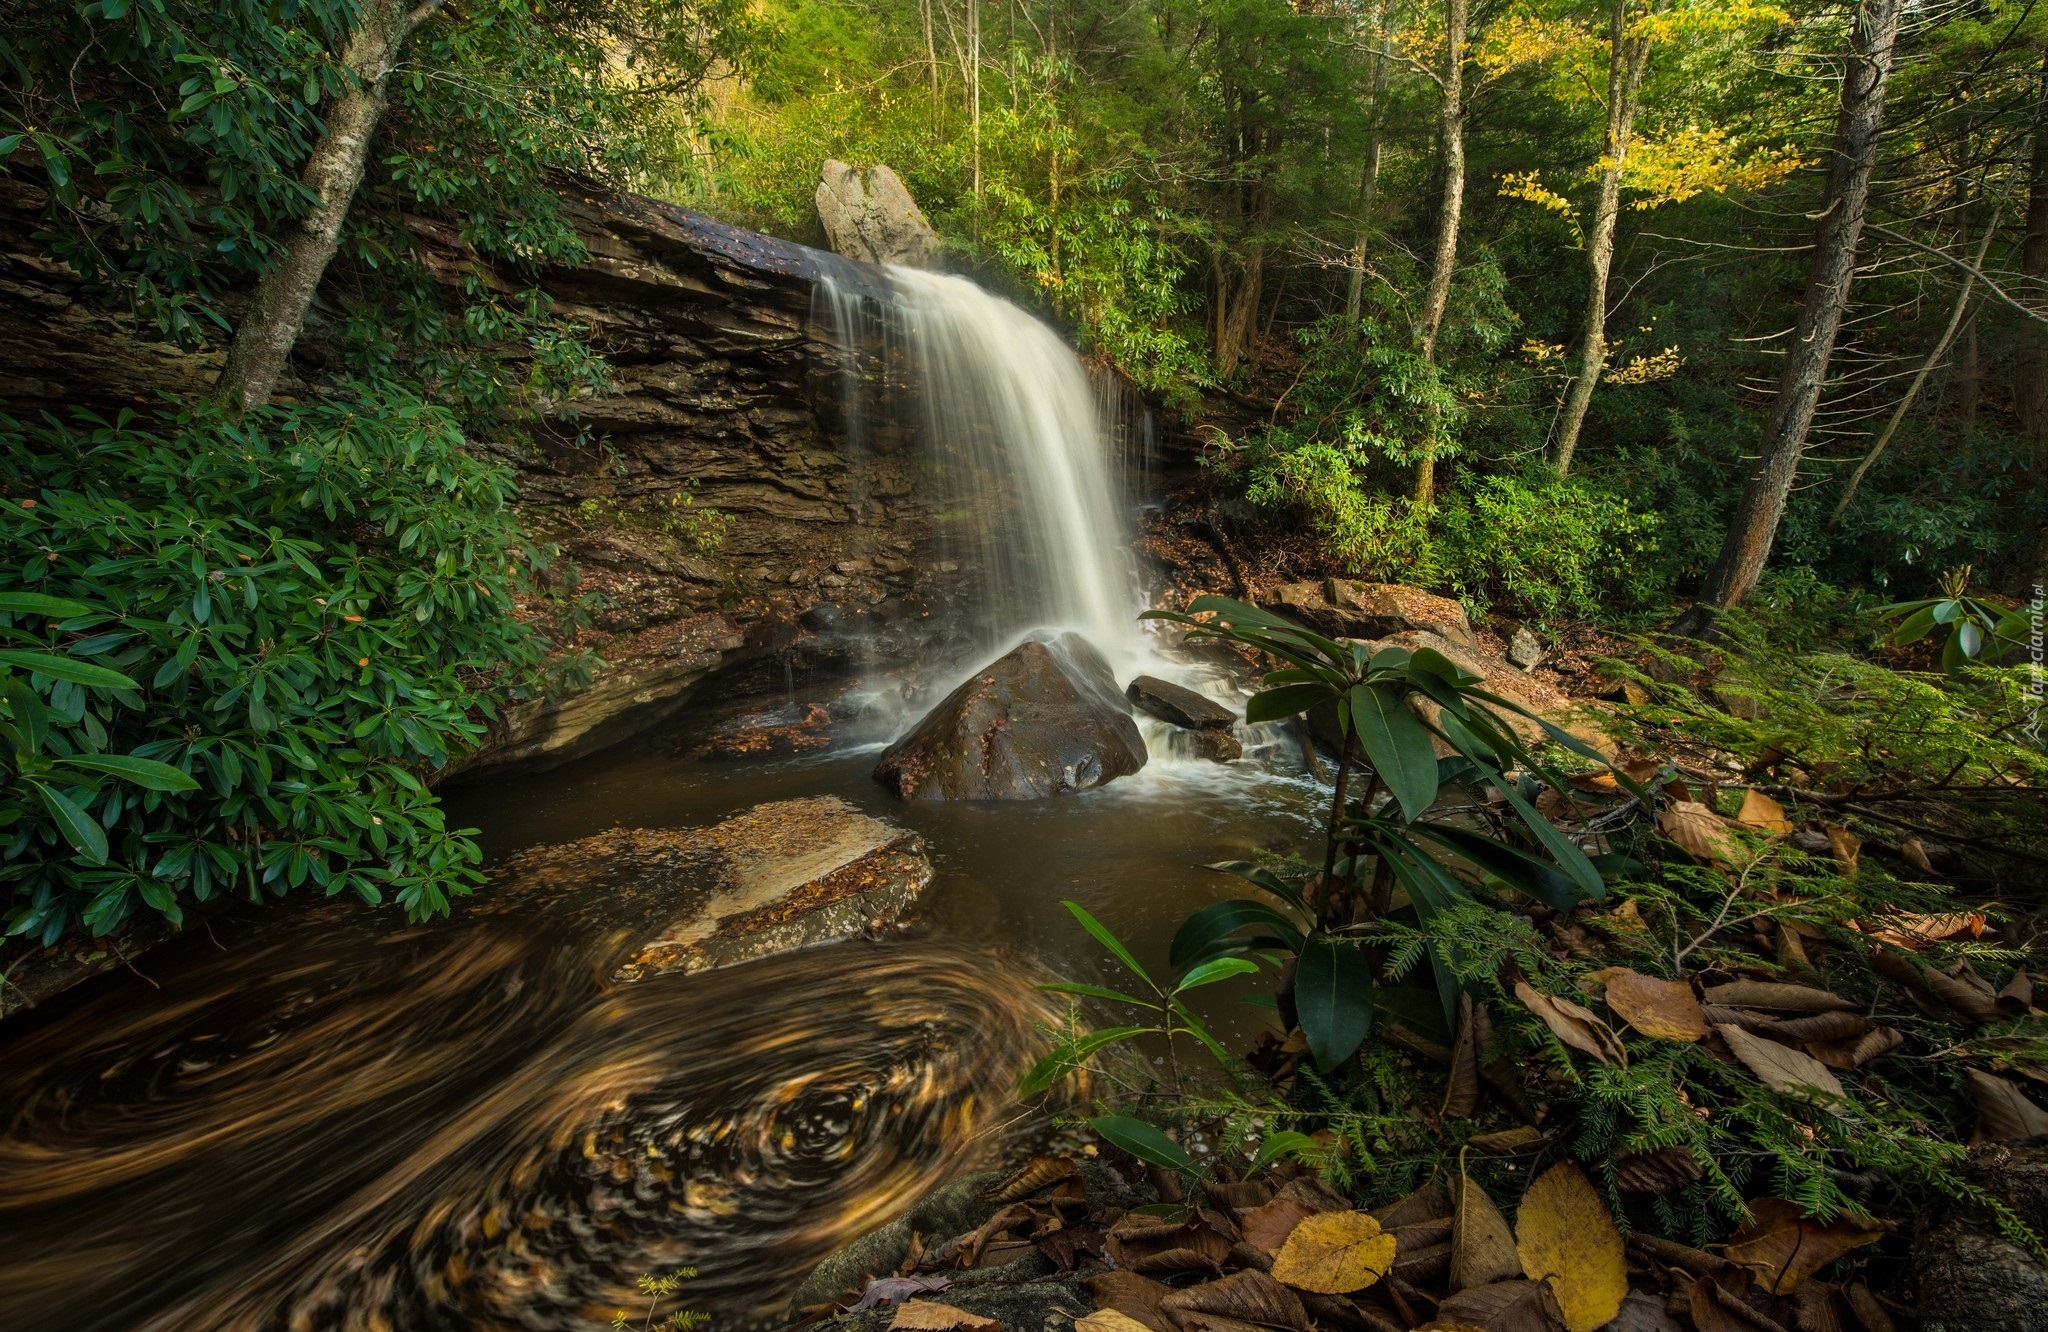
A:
[1178,705]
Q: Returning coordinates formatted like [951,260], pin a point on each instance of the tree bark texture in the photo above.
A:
[1369,182]
[1755,525]
[2030,362]
[1450,214]
[263,341]
[1627,58]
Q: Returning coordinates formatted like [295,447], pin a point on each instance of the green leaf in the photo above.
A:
[66,668]
[79,828]
[1398,745]
[35,603]
[1332,998]
[1209,931]
[1216,969]
[1281,1142]
[146,773]
[1144,1142]
[1562,849]
[1096,992]
[1914,627]
[31,718]
[1252,872]
[1286,701]
[1511,864]
[1108,940]
[1071,1055]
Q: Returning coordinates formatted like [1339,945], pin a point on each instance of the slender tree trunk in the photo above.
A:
[1369,184]
[1969,375]
[277,312]
[974,44]
[1941,345]
[1755,525]
[1627,58]
[2030,364]
[1450,214]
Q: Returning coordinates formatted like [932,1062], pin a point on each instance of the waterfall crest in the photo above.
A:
[1028,509]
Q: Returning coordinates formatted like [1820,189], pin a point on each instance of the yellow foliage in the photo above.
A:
[1335,1253]
[1522,38]
[1694,161]
[1648,369]
[1701,18]
[1566,1236]
[1529,185]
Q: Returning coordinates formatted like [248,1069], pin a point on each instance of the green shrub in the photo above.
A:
[1548,547]
[316,605]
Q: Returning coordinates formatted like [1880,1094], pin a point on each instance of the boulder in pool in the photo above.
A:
[1043,720]
[1177,705]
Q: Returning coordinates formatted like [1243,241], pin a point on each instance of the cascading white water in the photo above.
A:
[1027,504]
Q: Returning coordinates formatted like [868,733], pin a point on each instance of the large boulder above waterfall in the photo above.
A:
[1044,720]
[1340,608]
[869,215]
[778,877]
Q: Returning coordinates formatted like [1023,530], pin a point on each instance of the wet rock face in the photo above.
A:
[1044,720]
[1177,705]
[781,876]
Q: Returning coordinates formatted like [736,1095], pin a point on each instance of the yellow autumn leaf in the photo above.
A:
[1335,1253]
[1565,1236]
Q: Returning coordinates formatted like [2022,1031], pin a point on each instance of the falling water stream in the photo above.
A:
[324,1119]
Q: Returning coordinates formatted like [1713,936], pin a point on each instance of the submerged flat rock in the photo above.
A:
[778,877]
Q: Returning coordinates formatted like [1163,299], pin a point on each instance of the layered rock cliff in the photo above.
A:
[728,399]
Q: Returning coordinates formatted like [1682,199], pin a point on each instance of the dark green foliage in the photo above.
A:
[316,607]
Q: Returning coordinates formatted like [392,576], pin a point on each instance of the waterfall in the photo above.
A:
[1030,510]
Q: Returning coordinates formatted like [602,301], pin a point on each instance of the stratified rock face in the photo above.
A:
[778,877]
[1044,720]
[1178,705]
[870,216]
[1339,608]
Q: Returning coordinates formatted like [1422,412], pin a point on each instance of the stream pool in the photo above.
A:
[327,1119]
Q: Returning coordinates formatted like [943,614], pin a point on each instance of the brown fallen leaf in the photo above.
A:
[1039,1173]
[1501,1143]
[1136,1297]
[1780,1067]
[1253,1297]
[1643,1312]
[1782,1246]
[1867,1310]
[1817,1307]
[1714,1308]
[1312,1193]
[1914,852]
[1461,1089]
[1665,1010]
[1761,812]
[1566,1237]
[1207,1322]
[1267,1226]
[1238,1195]
[1855,1053]
[1574,1025]
[1109,1320]
[1335,1253]
[1700,832]
[2004,1112]
[929,1316]
[1962,989]
[1845,846]
[1664,1170]
[1482,1246]
[1504,1306]
[1908,930]
[1425,1204]
[2016,998]
[1835,1026]
[1778,996]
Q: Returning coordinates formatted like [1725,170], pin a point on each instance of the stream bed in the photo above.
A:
[328,1119]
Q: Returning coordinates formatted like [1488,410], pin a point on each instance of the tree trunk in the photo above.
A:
[1369,183]
[1627,59]
[2030,364]
[1237,307]
[1450,213]
[277,312]
[1755,524]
